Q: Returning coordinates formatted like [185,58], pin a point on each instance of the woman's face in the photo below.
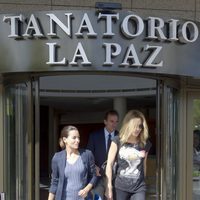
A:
[73,139]
[137,127]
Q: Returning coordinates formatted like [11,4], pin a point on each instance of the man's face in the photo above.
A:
[111,123]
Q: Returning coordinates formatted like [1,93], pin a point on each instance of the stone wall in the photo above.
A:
[186,9]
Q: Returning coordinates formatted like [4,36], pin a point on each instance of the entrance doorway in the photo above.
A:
[47,103]
[82,101]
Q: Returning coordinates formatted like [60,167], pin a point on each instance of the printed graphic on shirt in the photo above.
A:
[133,157]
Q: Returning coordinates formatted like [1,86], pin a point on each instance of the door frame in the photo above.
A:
[32,134]
[2,147]
[191,95]
[34,147]
[165,131]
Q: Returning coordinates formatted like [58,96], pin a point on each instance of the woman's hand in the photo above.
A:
[51,196]
[83,193]
[109,193]
[97,170]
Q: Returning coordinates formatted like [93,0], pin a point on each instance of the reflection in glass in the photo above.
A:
[16,129]
[196,149]
[170,142]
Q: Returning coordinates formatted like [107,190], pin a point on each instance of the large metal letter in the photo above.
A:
[54,20]
[80,53]
[155,26]
[132,56]
[108,18]
[190,27]
[33,26]
[152,57]
[173,30]
[86,25]
[109,53]
[14,23]
[52,55]
[138,29]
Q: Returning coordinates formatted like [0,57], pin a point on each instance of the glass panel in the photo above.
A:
[196,149]
[170,144]
[16,136]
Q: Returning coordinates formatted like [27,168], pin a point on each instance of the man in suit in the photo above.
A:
[99,143]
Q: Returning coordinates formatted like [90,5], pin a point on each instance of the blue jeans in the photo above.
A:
[97,197]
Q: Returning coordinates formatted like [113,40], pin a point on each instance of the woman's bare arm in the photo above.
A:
[110,161]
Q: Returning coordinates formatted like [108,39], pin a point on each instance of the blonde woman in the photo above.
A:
[130,150]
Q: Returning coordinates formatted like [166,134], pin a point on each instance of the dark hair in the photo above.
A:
[65,133]
[110,112]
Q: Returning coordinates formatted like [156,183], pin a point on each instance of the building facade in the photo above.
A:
[67,62]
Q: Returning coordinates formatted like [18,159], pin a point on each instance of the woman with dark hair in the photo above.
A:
[130,150]
[73,169]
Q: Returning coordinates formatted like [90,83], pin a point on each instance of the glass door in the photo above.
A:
[16,109]
[168,141]
[21,140]
[193,146]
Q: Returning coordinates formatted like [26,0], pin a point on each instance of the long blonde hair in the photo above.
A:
[128,127]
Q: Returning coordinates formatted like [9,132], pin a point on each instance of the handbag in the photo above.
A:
[114,169]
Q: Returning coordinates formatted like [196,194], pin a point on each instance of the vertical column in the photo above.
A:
[37,140]
[2,172]
[120,104]
[30,153]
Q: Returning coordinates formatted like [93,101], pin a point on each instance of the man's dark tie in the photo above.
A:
[109,142]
